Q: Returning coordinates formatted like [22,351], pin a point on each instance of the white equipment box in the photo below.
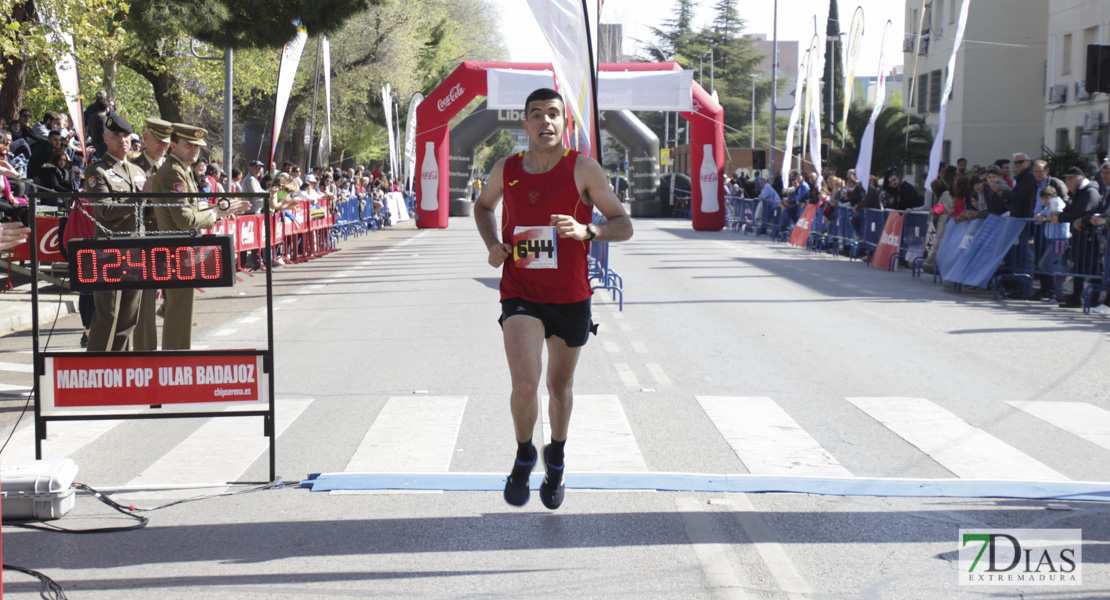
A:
[37,490]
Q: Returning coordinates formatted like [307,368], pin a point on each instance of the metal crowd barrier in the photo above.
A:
[599,270]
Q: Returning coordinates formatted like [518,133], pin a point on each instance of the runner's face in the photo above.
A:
[545,123]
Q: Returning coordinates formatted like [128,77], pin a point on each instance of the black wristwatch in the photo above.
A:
[592,230]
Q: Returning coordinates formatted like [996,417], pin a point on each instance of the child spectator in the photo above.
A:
[1056,244]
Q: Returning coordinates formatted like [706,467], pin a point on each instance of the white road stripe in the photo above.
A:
[714,555]
[249,320]
[63,438]
[965,450]
[16,367]
[600,438]
[411,434]
[766,439]
[8,389]
[1080,419]
[626,375]
[291,300]
[611,347]
[657,372]
[639,348]
[220,450]
[625,327]
[225,332]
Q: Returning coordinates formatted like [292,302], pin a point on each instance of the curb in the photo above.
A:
[16,313]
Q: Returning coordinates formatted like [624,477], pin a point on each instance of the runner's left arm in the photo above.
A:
[594,186]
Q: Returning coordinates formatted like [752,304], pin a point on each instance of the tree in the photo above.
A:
[834,74]
[890,138]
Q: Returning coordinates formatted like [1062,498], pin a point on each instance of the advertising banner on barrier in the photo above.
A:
[889,243]
[800,235]
[956,241]
[985,253]
[49,240]
[915,229]
[250,232]
[87,381]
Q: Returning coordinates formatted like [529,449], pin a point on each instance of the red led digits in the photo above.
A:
[112,265]
[132,264]
[158,263]
[81,273]
[186,258]
[212,257]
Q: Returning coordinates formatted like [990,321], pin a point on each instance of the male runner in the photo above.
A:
[546,228]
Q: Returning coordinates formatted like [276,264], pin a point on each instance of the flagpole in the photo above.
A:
[593,79]
[913,85]
[315,90]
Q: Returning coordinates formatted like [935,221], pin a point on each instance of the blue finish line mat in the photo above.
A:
[736,482]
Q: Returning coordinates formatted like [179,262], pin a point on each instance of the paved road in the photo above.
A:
[732,356]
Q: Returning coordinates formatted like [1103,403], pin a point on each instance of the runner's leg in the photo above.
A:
[561,362]
[523,337]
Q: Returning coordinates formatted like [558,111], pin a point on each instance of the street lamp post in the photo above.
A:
[774,77]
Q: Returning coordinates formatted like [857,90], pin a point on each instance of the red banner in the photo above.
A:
[49,239]
[249,233]
[100,381]
[890,243]
[300,214]
[800,235]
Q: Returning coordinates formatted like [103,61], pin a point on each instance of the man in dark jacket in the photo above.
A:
[1025,188]
[1085,203]
[905,196]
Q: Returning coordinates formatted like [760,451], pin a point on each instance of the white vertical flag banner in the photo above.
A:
[410,139]
[570,27]
[387,106]
[325,139]
[938,142]
[815,67]
[795,114]
[290,58]
[813,89]
[851,57]
[867,143]
[66,68]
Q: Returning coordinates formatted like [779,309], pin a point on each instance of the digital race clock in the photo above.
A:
[144,263]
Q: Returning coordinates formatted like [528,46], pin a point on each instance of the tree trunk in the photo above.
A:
[167,91]
[14,71]
[110,67]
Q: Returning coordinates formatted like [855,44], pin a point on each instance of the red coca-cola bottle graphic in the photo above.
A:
[710,190]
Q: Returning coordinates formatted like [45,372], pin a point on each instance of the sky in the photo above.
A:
[795,22]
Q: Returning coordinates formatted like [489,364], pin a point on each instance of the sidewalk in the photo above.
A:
[15,305]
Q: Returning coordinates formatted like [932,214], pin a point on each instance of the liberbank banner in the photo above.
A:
[632,90]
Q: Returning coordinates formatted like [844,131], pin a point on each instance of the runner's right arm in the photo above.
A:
[486,220]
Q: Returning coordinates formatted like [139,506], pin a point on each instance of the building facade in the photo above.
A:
[997,104]
[1075,117]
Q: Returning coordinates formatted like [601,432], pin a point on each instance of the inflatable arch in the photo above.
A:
[640,141]
[469,80]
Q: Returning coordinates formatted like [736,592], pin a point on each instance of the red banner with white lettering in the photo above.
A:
[49,240]
[91,381]
[800,235]
[889,243]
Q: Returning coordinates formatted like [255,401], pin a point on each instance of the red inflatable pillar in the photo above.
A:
[707,133]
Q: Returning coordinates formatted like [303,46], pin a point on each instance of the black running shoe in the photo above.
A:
[84,340]
[552,489]
[516,485]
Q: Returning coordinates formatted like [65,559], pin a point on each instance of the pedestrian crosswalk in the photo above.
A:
[419,434]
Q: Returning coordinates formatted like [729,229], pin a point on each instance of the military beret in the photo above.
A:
[118,124]
[188,132]
[161,130]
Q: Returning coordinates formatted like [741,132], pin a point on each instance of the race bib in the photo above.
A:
[535,248]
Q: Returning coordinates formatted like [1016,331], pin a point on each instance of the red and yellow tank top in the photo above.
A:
[543,267]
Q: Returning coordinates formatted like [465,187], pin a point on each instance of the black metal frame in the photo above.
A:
[267,354]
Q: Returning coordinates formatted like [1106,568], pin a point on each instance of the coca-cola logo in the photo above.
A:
[709,178]
[697,105]
[50,244]
[246,234]
[451,97]
[429,175]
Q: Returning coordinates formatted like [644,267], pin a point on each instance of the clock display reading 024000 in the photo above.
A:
[151,263]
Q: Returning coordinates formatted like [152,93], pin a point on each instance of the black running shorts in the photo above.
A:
[571,322]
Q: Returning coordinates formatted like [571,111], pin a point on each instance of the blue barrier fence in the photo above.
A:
[356,215]
[1003,253]
[601,272]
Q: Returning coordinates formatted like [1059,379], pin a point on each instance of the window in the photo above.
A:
[938,28]
[952,9]
[936,88]
[923,94]
[1065,55]
[946,152]
[1061,139]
